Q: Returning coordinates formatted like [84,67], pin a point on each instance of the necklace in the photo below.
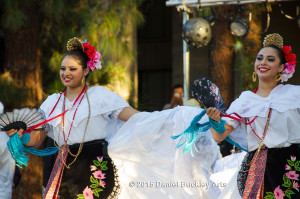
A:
[82,142]
[80,96]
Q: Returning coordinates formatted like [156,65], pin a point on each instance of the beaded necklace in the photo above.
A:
[80,96]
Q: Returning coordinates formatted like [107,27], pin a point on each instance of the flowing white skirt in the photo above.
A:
[149,164]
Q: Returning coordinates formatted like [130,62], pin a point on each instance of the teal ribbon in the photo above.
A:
[218,127]
[17,149]
[190,135]
[25,138]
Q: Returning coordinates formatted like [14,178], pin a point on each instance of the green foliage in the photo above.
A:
[244,67]
[10,94]
[13,17]
[107,25]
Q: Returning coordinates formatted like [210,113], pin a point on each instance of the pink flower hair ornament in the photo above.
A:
[289,66]
[93,55]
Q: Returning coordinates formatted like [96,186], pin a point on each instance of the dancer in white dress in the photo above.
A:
[271,136]
[7,165]
[109,157]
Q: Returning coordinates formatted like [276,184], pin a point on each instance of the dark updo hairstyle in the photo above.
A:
[275,41]
[75,50]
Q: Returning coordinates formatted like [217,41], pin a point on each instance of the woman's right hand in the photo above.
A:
[11,132]
[213,113]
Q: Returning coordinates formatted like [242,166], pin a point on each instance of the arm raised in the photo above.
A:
[214,114]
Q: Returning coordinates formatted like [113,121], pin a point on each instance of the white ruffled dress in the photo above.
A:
[148,163]
[283,129]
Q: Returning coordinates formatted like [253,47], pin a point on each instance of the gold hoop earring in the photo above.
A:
[278,77]
[254,77]
[83,80]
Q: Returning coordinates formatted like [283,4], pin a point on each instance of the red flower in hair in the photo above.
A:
[89,50]
[286,49]
[289,57]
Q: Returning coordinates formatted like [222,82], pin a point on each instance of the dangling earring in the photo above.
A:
[254,77]
[278,77]
[83,80]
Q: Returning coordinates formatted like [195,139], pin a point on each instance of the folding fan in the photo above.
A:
[20,119]
[28,120]
[208,94]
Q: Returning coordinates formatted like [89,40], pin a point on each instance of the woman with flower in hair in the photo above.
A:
[108,149]
[268,127]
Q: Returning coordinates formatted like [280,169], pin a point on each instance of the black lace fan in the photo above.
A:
[20,119]
[208,94]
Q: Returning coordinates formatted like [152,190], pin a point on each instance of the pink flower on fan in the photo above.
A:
[88,193]
[293,158]
[278,193]
[287,167]
[93,168]
[99,175]
[292,175]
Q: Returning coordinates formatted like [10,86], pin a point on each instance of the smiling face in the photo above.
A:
[267,64]
[71,72]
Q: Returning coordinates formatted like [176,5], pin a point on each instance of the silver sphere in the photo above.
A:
[197,32]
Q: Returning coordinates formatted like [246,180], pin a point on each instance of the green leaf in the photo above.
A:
[290,163]
[104,164]
[297,168]
[269,195]
[287,182]
[96,191]
[80,196]
[104,168]
[297,163]
[93,186]
[93,180]
[96,162]
[285,179]
[288,193]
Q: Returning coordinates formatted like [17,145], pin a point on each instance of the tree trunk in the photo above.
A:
[222,53]
[22,54]
[252,42]
[22,61]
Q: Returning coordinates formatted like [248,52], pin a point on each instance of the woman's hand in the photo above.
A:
[36,137]
[213,113]
[11,132]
